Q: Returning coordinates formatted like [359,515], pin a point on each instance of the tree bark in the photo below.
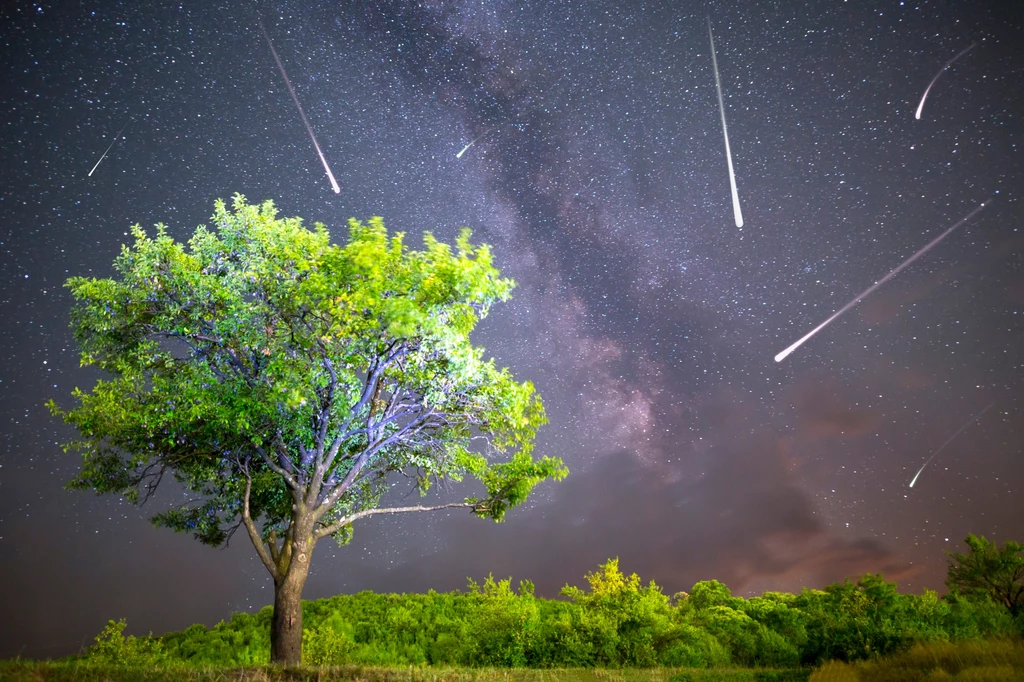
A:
[286,626]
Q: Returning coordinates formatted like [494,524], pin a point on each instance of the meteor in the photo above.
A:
[946,66]
[466,148]
[948,441]
[305,121]
[737,214]
[782,356]
[109,146]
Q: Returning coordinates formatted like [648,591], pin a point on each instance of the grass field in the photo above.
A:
[41,671]
[995,661]
[981,661]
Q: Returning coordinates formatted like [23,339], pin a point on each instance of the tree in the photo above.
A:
[285,382]
[635,616]
[708,593]
[990,570]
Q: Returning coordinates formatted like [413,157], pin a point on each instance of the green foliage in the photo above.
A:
[742,676]
[504,629]
[709,593]
[61,671]
[691,646]
[326,646]
[113,648]
[259,351]
[244,640]
[989,660]
[617,622]
[988,571]
[630,617]
[855,621]
[776,612]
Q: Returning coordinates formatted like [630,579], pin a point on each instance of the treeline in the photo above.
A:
[618,621]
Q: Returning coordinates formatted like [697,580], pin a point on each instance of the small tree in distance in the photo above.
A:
[989,570]
[284,381]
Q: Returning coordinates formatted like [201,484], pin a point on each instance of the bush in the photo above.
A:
[113,648]
[693,647]
[326,646]
[617,622]
[505,628]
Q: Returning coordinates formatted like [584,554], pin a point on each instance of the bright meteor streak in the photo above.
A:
[305,121]
[466,148]
[782,356]
[945,66]
[948,441]
[109,147]
[737,214]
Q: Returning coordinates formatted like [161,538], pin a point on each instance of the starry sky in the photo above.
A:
[647,320]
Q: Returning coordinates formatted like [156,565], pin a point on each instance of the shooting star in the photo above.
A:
[110,146]
[948,441]
[466,148]
[946,66]
[782,356]
[305,121]
[737,214]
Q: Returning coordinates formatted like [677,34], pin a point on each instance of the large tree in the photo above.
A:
[286,382]
[989,570]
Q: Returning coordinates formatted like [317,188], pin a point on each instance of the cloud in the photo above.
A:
[887,306]
[822,411]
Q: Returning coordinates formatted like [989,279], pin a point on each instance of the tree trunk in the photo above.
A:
[286,626]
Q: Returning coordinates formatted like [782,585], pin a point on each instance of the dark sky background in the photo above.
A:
[647,320]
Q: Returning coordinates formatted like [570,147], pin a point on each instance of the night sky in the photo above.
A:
[647,320]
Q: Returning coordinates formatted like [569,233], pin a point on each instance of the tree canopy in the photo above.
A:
[989,570]
[285,381]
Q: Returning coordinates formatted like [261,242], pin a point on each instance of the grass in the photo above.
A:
[979,661]
[59,671]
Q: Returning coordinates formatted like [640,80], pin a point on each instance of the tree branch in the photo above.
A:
[341,523]
[395,351]
[324,419]
[288,478]
[333,498]
[285,459]
[254,535]
[326,404]
[272,544]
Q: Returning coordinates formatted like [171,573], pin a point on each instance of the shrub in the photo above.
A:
[689,646]
[113,648]
[326,646]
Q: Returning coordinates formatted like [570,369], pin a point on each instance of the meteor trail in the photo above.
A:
[782,356]
[946,66]
[305,121]
[737,214]
[480,137]
[109,146]
[464,149]
[948,441]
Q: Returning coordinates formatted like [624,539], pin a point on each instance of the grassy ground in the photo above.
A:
[965,662]
[38,671]
[993,661]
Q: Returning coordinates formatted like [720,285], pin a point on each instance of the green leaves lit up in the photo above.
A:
[283,379]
